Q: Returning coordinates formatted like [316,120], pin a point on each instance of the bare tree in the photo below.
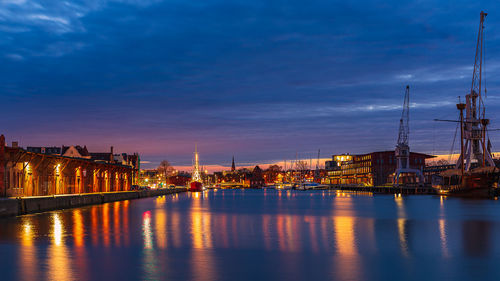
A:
[272,173]
[442,162]
[302,167]
[165,169]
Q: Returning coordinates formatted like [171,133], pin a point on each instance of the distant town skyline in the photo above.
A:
[251,79]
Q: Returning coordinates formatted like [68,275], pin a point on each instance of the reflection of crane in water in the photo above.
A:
[403,148]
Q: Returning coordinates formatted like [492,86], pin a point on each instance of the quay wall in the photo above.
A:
[36,204]
[386,189]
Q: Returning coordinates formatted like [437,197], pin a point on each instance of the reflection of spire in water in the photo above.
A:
[202,260]
[200,225]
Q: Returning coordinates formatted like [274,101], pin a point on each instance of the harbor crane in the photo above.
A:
[403,148]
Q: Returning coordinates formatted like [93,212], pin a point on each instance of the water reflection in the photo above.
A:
[201,231]
[443,237]
[146,230]
[149,263]
[285,229]
[476,238]
[27,255]
[59,267]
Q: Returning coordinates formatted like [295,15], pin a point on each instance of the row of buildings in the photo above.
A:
[39,171]
[371,169]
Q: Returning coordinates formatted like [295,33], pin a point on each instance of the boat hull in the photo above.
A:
[474,185]
[196,186]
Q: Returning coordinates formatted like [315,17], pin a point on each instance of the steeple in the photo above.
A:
[233,167]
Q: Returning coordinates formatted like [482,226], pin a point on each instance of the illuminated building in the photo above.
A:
[33,173]
[370,169]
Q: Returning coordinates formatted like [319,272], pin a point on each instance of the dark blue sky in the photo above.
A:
[257,79]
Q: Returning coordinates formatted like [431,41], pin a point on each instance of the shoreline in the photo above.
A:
[36,204]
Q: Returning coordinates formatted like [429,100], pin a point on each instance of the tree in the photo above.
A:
[442,162]
[165,169]
[272,173]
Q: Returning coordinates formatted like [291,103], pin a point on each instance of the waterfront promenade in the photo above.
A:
[36,204]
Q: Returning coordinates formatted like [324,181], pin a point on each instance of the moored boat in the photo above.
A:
[195,186]
[481,182]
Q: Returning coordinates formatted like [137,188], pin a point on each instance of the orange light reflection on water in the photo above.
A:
[59,267]
[116,222]
[147,232]
[28,255]
[105,225]
[78,229]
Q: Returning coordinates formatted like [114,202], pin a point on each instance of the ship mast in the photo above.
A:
[475,123]
[196,166]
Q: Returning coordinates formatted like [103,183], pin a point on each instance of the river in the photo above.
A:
[258,235]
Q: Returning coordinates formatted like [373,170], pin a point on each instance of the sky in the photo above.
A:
[261,80]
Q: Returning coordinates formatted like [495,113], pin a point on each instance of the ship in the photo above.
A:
[475,174]
[196,184]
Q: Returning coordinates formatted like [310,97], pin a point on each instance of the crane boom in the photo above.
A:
[404,122]
[403,148]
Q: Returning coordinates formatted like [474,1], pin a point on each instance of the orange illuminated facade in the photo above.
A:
[25,173]
[372,169]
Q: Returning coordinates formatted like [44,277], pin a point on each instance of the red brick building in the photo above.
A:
[26,173]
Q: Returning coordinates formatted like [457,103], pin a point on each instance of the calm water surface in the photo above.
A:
[258,235]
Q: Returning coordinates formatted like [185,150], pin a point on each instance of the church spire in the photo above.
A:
[233,166]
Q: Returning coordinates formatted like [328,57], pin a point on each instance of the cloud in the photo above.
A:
[15,57]
[241,77]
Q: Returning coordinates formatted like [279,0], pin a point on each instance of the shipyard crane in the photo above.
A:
[403,148]
[475,123]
